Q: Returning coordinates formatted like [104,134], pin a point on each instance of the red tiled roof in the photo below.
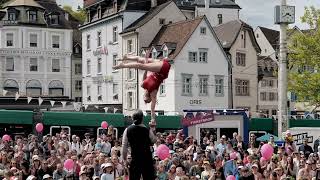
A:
[178,33]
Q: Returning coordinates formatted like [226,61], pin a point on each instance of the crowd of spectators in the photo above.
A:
[100,158]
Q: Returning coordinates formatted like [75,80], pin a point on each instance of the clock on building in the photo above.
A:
[284,14]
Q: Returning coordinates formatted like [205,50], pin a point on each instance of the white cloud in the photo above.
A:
[261,12]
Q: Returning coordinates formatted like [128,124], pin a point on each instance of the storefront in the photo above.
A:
[217,124]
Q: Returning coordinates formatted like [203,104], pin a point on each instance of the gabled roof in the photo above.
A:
[146,17]
[176,33]
[30,3]
[229,32]
[272,36]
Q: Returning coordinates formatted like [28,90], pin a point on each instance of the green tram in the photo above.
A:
[14,122]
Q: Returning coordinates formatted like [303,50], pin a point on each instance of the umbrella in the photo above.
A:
[266,137]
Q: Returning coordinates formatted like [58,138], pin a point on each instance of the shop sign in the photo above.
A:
[199,118]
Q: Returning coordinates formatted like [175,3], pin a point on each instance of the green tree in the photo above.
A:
[79,14]
[304,57]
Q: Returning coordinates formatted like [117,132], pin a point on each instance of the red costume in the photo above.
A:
[154,80]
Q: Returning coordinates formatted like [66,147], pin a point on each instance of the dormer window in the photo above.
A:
[11,16]
[165,52]
[32,16]
[99,12]
[54,19]
[154,53]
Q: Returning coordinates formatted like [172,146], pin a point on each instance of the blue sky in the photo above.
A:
[254,12]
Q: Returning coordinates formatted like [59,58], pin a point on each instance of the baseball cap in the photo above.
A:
[46,176]
[31,177]
[255,165]
[35,158]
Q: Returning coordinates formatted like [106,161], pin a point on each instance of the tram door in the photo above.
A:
[58,129]
[101,131]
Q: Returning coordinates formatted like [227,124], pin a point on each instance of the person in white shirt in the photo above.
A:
[88,147]
[106,146]
[108,172]
[75,145]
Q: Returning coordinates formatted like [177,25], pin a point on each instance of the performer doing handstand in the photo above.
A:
[151,83]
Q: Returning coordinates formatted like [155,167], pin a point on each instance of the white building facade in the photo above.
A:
[198,78]
[35,59]
[101,47]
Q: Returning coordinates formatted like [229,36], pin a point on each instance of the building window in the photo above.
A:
[9,64]
[193,57]
[241,59]
[203,55]
[242,87]
[115,89]
[55,41]
[33,64]
[32,16]
[88,42]
[56,88]
[55,65]
[115,34]
[270,83]
[203,30]
[186,84]
[99,91]
[129,46]
[273,96]
[88,93]
[219,85]
[11,86]
[130,74]
[162,21]
[263,83]
[220,18]
[78,69]
[114,59]
[33,88]
[165,52]
[154,54]
[263,96]
[33,40]
[130,100]
[99,69]
[78,85]
[12,16]
[257,35]
[162,88]
[77,50]
[99,39]
[244,39]
[54,19]
[9,39]
[78,99]
[203,85]
[99,12]
[88,67]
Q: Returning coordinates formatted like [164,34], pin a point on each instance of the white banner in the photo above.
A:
[4,92]
[63,104]
[106,109]
[17,96]
[86,106]
[29,99]
[52,103]
[40,101]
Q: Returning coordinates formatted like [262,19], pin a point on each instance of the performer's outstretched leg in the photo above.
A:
[153,67]
[153,96]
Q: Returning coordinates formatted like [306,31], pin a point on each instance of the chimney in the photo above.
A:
[66,15]
[206,4]
[153,3]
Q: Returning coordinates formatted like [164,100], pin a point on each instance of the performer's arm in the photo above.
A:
[152,135]
[125,145]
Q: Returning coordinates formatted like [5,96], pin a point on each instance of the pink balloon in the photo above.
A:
[68,164]
[231,177]
[163,152]
[233,155]
[267,151]
[39,127]
[6,137]
[104,124]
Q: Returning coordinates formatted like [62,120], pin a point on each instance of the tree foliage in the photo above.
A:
[79,14]
[304,56]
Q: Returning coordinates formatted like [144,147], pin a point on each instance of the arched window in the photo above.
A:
[56,88]
[33,88]
[11,86]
